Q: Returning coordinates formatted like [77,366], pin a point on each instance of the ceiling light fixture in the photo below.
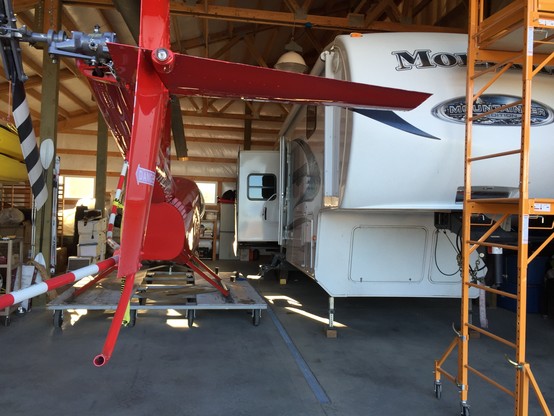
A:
[291,60]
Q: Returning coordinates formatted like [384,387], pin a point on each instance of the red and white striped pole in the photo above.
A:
[18,296]
[116,201]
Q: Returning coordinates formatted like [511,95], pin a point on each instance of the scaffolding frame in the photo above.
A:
[487,43]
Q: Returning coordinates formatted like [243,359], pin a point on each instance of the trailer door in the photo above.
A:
[257,196]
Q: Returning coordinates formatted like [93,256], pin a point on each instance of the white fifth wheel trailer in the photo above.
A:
[367,199]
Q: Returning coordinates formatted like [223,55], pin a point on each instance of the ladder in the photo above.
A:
[60,214]
[514,25]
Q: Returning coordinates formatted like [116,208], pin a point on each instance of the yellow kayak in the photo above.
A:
[12,170]
[9,143]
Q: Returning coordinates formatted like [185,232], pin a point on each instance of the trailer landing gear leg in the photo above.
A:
[283,276]
[330,331]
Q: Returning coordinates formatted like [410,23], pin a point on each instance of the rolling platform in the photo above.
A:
[162,287]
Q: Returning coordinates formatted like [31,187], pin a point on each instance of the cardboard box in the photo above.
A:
[93,238]
[244,254]
[91,250]
[210,215]
[92,226]
[75,263]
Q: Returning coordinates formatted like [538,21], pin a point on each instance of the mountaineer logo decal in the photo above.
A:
[454,111]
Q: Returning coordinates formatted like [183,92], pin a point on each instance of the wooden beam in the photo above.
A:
[93,153]
[78,121]
[34,81]
[235,14]
[24,5]
[420,7]
[112,174]
[376,11]
[249,41]
[260,16]
[407,7]
[275,18]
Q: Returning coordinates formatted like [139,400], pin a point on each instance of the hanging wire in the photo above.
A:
[435,250]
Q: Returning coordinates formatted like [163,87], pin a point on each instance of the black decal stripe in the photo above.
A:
[392,119]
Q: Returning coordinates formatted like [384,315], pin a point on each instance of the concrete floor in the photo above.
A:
[380,364]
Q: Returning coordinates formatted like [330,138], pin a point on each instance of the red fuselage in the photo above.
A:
[172,231]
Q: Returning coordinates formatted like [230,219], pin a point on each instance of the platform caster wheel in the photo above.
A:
[7,321]
[132,318]
[191,314]
[438,389]
[57,319]
[256,316]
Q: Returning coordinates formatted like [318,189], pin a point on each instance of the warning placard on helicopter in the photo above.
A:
[145,176]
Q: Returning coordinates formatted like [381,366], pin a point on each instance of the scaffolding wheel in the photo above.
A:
[57,318]
[438,389]
[191,314]
[256,316]
[465,410]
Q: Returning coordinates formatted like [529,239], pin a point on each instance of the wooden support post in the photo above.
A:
[52,11]
[247,126]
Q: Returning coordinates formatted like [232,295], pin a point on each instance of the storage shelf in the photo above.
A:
[210,222]
[9,248]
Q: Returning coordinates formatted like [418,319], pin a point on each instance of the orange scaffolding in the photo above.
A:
[506,39]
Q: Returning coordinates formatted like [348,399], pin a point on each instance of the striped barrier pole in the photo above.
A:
[116,203]
[18,296]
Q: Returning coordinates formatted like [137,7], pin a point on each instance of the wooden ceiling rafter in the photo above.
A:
[176,28]
[116,154]
[193,103]
[461,9]
[77,121]
[275,18]
[190,139]
[394,13]
[422,5]
[63,114]
[270,45]
[35,115]
[36,80]
[228,104]
[406,16]
[251,47]
[376,11]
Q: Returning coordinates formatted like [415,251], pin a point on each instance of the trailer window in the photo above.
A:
[261,186]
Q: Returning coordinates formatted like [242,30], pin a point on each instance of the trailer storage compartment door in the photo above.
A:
[388,254]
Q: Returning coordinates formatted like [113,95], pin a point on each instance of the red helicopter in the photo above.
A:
[132,87]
